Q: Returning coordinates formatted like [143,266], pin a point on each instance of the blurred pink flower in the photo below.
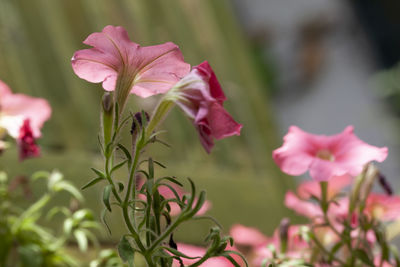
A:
[201,98]
[297,247]
[325,156]
[313,188]
[22,117]
[301,204]
[383,207]
[247,236]
[118,62]
[194,251]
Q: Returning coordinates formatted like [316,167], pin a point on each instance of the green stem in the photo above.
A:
[135,235]
[110,180]
[324,250]
[202,260]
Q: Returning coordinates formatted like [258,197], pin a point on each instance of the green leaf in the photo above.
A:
[82,240]
[106,196]
[67,227]
[232,260]
[237,253]
[125,251]
[171,179]
[127,154]
[103,219]
[151,168]
[92,182]
[120,187]
[30,255]
[119,165]
[98,173]
[178,253]
[363,256]
[66,186]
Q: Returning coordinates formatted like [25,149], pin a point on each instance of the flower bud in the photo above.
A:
[371,174]
[137,122]
[107,116]
[385,184]
[107,102]
[284,233]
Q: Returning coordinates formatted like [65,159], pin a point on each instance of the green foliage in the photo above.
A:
[26,242]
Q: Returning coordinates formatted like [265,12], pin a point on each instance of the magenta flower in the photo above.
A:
[201,98]
[126,67]
[22,117]
[325,156]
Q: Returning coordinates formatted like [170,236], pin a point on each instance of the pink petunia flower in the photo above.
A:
[325,156]
[201,98]
[297,247]
[383,207]
[126,67]
[22,117]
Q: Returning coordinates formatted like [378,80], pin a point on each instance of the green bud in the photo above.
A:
[107,117]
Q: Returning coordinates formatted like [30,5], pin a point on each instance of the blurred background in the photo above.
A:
[318,64]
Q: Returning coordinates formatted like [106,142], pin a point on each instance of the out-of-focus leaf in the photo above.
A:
[81,238]
[30,255]
[126,252]
[106,196]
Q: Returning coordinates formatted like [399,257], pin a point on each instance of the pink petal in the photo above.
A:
[302,207]
[4,90]
[354,153]
[221,123]
[323,170]
[146,71]
[206,72]
[313,188]
[296,154]
[18,107]
[247,236]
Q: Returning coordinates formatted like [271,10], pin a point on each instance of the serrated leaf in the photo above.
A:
[125,251]
[106,196]
[92,182]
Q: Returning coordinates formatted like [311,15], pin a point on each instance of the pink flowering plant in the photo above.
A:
[24,239]
[347,220]
[153,208]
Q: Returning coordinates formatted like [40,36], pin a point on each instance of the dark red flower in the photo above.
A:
[26,142]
